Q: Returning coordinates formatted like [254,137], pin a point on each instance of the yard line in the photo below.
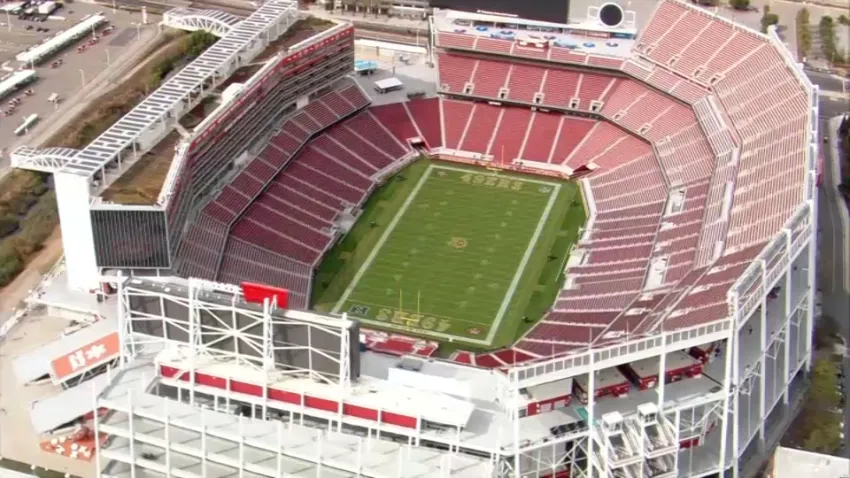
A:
[381,241]
[556,189]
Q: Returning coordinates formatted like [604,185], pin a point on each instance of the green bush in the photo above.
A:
[8,225]
[768,19]
[740,4]
[197,41]
[10,263]
[38,225]
[191,46]
[824,425]
[20,191]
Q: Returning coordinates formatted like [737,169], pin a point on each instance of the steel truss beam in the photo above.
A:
[229,331]
[190,19]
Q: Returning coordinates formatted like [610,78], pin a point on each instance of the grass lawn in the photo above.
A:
[454,253]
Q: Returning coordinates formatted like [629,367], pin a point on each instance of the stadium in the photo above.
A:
[590,253]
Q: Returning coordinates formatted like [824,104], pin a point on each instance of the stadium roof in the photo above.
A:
[37,363]
[51,413]
[791,463]
[341,453]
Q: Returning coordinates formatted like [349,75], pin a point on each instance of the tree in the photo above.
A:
[826,28]
[844,20]
[804,33]
[768,19]
[740,4]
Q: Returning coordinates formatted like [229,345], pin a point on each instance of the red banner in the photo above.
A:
[258,293]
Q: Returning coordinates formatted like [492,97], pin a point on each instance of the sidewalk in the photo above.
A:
[834,94]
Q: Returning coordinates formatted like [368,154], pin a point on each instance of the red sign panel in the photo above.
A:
[91,355]
[258,293]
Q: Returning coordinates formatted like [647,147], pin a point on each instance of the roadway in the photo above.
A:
[834,243]
[827,81]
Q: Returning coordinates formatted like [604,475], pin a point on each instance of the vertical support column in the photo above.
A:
[591,410]
[786,329]
[194,332]
[167,424]
[662,371]
[124,324]
[97,464]
[203,443]
[344,367]
[736,382]
[810,312]
[727,385]
[279,451]
[514,414]
[72,201]
[677,423]
[130,419]
[241,446]
[320,450]
[268,353]
[762,376]
[359,457]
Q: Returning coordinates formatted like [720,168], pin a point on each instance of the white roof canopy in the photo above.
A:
[389,83]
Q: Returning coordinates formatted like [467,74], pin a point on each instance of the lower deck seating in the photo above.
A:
[283,230]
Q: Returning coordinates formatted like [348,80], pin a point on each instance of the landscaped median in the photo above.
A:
[818,426]
[844,148]
[27,205]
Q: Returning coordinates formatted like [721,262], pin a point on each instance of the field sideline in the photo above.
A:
[454,253]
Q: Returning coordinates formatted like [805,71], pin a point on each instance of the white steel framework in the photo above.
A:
[220,326]
[190,19]
[154,117]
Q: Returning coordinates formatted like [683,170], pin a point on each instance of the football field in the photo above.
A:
[460,256]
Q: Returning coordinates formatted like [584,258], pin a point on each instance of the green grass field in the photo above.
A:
[454,253]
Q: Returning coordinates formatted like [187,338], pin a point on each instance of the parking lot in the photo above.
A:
[77,69]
